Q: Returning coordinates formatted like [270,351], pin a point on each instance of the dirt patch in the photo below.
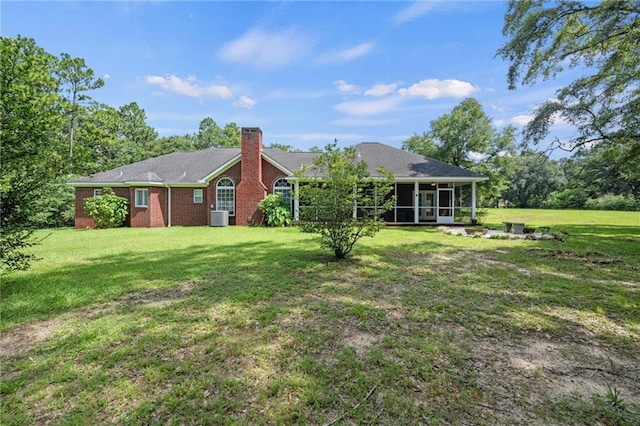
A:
[595,258]
[23,338]
[158,298]
[360,341]
[540,369]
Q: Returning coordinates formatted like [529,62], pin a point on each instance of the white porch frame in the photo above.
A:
[416,199]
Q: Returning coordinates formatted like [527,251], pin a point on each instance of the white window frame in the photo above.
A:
[97,192]
[198,196]
[284,187]
[145,198]
[226,188]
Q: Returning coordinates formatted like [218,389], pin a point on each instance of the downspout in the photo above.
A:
[168,205]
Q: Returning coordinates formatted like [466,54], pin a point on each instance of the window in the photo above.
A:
[142,197]
[282,186]
[226,196]
[197,196]
[97,192]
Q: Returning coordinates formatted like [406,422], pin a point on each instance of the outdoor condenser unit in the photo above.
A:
[219,218]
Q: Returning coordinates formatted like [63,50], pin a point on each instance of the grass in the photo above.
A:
[259,326]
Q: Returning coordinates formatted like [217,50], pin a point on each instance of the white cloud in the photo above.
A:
[188,87]
[245,102]
[498,122]
[345,87]
[381,89]
[107,76]
[521,120]
[413,11]
[346,55]
[434,89]
[263,50]
[368,107]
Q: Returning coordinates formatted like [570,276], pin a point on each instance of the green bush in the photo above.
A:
[107,210]
[275,210]
[613,202]
[55,205]
[570,198]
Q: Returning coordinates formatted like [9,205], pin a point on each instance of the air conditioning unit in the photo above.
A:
[219,218]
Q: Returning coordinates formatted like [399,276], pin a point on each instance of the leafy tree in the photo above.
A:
[30,121]
[54,204]
[569,198]
[286,148]
[532,178]
[107,210]
[74,79]
[231,136]
[340,201]
[169,144]
[422,144]
[546,39]
[133,126]
[609,169]
[465,138]
[276,210]
[209,134]
[97,137]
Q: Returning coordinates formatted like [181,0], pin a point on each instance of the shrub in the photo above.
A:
[613,202]
[570,198]
[55,205]
[107,210]
[275,210]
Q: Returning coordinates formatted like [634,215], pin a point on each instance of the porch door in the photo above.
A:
[427,205]
[445,205]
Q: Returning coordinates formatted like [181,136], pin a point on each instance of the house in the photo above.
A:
[183,188]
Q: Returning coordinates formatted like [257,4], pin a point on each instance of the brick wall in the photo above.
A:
[270,174]
[184,212]
[154,214]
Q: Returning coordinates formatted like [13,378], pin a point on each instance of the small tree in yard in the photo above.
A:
[107,210]
[340,201]
[275,210]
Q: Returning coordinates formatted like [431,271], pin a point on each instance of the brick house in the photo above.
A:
[182,188]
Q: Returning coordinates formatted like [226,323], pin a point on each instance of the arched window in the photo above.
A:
[226,196]
[282,186]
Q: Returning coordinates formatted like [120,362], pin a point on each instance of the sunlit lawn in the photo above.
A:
[260,326]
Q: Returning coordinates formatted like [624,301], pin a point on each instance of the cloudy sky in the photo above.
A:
[305,72]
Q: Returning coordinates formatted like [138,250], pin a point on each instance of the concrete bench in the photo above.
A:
[516,227]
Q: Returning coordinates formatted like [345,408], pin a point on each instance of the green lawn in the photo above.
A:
[259,326]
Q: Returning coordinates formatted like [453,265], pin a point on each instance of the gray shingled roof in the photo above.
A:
[178,167]
[407,164]
[195,167]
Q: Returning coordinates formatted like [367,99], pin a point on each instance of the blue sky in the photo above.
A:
[305,72]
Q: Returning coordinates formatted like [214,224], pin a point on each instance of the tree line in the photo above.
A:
[600,177]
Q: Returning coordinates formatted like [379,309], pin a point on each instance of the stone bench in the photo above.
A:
[516,227]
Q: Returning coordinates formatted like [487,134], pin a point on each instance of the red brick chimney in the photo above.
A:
[251,190]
